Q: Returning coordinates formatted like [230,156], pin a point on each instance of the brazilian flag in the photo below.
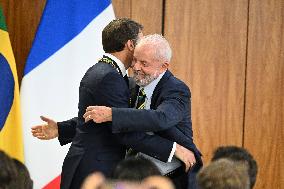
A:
[11,136]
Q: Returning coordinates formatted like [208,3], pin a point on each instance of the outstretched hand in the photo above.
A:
[46,131]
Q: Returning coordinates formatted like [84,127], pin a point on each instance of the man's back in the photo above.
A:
[94,147]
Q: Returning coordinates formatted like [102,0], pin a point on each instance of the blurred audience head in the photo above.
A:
[158,182]
[94,181]
[8,170]
[123,185]
[223,174]
[13,173]
[98,181]
[238,154]
[135,169]
[23,177]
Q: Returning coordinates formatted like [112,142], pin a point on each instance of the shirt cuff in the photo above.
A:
[172,152]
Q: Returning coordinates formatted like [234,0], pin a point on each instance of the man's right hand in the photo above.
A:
[98,114]
[186,156]
[46,131]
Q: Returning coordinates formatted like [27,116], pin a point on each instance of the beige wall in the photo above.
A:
[230,53]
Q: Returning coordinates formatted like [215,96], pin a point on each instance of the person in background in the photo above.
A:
[95,180]
[132,172]
[8,170]
[23,178]
[157,182]
[223,174]
[238,154]
[13,173]
[135,169]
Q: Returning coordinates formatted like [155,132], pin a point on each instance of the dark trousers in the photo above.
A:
[183,180]
[179,177]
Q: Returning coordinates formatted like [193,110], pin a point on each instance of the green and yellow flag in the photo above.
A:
[11,136]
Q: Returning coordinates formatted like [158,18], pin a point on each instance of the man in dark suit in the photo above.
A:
[94,147]
[167,100]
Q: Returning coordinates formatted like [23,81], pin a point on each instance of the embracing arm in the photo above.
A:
[156,146]
[152,145]
[115,94]
[170,110]
[173,106]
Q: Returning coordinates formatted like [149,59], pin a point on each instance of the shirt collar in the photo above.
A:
[149,89]
[118,62]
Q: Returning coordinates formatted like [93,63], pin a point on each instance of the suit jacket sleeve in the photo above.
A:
[66,130]
[175,134]
[168,113]
[116,94]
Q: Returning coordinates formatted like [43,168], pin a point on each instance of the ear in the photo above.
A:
[165,65]
[130,45]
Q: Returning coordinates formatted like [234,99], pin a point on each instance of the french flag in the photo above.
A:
[67,43]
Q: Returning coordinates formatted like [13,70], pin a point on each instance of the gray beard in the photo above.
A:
[146,80]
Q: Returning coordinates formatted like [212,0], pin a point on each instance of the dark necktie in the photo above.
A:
[141,104]
[141,99]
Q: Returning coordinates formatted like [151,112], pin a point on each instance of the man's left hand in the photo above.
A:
[186,156]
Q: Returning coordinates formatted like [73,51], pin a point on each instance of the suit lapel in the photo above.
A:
[133,95]
[157,90]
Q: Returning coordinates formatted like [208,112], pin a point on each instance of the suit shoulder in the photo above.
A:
[177,83]
[101,69]
[98,73]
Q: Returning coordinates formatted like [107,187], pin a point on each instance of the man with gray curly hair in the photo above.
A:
[161,53]
[163,108]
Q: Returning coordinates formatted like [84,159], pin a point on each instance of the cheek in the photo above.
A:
[147,71]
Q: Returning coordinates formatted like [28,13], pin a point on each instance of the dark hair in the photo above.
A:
[8,170]
[23,179]
[236,153]
[118,32]
[13,173]
[135,169]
